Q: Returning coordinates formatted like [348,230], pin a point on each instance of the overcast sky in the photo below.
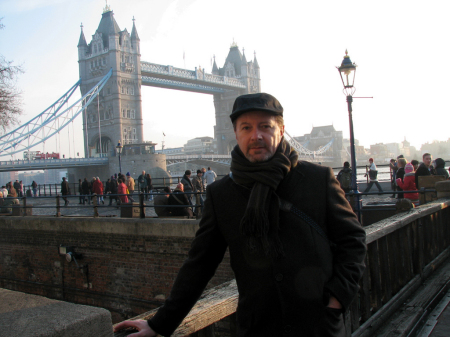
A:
[401,49]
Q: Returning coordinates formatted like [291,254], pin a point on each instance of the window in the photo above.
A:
[131,91]
[95,49]
[123,113]
[133,114]
[123,90]
[128,113]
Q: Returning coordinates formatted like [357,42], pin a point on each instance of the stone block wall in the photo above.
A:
[128,265]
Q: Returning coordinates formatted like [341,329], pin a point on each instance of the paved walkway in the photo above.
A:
[438,323]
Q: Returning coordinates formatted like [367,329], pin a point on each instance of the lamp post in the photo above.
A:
[119,151]
[347,71]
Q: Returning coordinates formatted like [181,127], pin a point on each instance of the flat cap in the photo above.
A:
[256,102]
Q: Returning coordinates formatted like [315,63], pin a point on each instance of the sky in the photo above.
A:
[401,49]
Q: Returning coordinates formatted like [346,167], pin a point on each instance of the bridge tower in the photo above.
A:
[236,66]
[117,114]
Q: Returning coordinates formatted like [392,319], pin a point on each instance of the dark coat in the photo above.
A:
[179,198]
[400,174]
[86,187]
[422,170]
[65,190]
[286,296]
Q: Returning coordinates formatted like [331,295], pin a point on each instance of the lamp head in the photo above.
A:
[347,71]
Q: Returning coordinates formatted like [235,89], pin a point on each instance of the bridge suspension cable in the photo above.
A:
[303,150]
[50,122]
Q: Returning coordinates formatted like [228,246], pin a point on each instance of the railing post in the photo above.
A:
[50,188]
[95,202]
[24,206]
[141,206]
[58,206]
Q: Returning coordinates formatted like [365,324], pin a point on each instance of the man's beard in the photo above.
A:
[265,157]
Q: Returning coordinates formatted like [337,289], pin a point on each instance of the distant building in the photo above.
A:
[172,151]
[199,145]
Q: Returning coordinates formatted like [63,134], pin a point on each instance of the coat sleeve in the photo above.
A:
[349,248]
[206,253]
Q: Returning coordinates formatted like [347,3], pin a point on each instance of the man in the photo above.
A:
[65,190]
[187,185]
[203,177]
[373,173]
[401,163]
[197,183]
[210,176]
[86,187]
[130,185]
[143,183]
[289,280]
[425,168]
[345,177]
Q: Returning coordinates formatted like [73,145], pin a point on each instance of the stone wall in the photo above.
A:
[128,265]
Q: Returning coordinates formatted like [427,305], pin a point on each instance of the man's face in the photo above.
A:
[427,160]
[258,135]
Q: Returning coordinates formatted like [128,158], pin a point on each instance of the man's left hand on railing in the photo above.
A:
[140,325]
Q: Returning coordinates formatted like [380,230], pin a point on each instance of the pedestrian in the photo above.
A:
[425,168]
[34,187]
[440,167]
[143,184]
[373,177]
[401,163]
[179,198]
[210,176]
[288,277]
[345,177]
[187,185]
[98,189]
[415,164]
[130,185]
[197,184]
[204,177]
[408,184]
[113,191]
[122,191]
[65,190]
[86,187]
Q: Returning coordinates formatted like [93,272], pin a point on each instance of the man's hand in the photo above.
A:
[140,325]
[334,303]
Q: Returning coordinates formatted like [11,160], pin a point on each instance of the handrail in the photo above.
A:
[402,250]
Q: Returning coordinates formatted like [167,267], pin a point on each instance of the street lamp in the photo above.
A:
[119,151]
[347,71]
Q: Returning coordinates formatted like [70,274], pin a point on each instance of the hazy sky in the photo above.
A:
[401,49]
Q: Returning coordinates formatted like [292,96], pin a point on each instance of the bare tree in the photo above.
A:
[10,95]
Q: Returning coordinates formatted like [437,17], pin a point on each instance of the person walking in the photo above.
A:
[122,191]
[373,177]
[65,190]
[210,176]
[97,188]
[289,279]
[345,177]
[130,185]
[80,191]
[34,187]
[86,187]
[143,184]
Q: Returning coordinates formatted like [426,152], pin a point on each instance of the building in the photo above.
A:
[199,145]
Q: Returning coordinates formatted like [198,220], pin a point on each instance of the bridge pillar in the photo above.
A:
[117,112]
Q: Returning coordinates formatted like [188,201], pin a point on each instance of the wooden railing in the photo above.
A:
[403,251]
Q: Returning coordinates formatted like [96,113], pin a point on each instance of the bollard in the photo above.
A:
[141,206]
[58,206]
[198,205]
[95,202]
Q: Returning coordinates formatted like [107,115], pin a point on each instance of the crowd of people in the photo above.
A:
[404,175]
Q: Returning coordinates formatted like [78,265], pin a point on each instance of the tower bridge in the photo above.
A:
[111,77]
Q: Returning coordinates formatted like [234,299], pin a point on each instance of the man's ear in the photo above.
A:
[282,131]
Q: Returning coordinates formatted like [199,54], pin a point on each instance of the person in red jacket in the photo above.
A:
[409,184]
[122,189]
[97,187]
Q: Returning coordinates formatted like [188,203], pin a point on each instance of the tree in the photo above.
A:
[10,96]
